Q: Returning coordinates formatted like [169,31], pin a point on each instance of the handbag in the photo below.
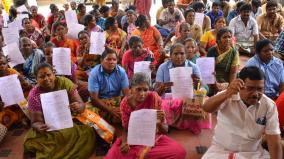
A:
[104,129]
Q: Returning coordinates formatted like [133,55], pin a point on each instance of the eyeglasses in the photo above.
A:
[253,89]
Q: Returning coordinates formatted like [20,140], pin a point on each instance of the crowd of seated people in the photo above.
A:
[249,101]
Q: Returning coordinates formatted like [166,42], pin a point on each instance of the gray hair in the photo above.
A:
[175,46]
[139,78]
[24,39]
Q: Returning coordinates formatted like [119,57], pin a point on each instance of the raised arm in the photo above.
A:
[213,103]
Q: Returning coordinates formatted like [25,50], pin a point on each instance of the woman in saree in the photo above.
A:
[226,60]
[32,58]
[75,142]
[141,98]
[208,39]
[13,114]
[107,83]
[115,37]
[81,13]
[150,35]
[61,40]
[135,54]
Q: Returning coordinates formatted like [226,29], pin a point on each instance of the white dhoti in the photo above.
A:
[217,152]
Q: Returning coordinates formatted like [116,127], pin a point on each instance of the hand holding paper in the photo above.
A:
[142,127]
[55,107]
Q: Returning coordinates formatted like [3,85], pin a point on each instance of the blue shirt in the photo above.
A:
[279,44]
[213,17]
[274,74]
[107,85]
[232,15]
[163,73]
[101,22]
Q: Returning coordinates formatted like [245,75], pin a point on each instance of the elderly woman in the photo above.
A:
[208,39]
[130,26]
[105,84]
[115,37]
[60,40]
[150,35]
[177,59]
[78,141]
[13,114]
[226,60]
[32,58]
[135,54]
[37,17]
[271,66]
[141,98]
[191,49]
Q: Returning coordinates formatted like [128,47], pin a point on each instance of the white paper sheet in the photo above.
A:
[142,127]
[13,52]
[143,66]
[11,35]
[97,43]
[61,59]
[74,29]
[17,23]
[182,82]
[56,111]
[207,68]
[32,2]
[199,17]
[5,19]
[10,90]
[71,17]
[22,8]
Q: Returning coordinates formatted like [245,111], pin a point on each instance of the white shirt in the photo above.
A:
[242,32]
[166,15]
[258,12]
[239,128]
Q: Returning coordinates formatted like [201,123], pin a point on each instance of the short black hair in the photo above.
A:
[215,4]
[41,66]
[80,6]
[252,73]
[246,7]
[188,11]
[104,9]
[141,19]
[198,5]
[261,44]
[256,3]
[87,19]
[239,4]
[109,22]
[134,39]
[107,52]
[271,4]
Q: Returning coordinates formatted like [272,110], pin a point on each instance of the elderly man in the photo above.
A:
[32,57]
[244,115]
